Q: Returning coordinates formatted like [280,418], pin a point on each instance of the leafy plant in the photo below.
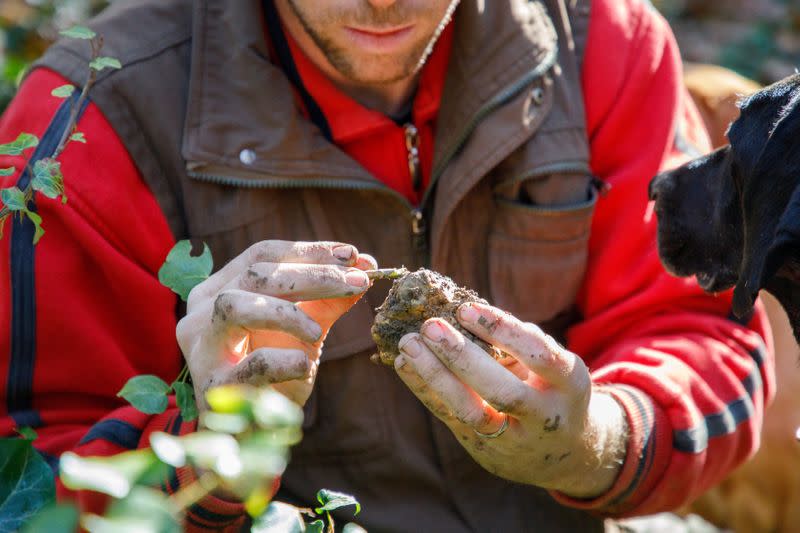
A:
[245,437]
[182,271]
[26,483]
[46,176]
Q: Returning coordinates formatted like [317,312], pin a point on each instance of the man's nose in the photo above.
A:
[382,3]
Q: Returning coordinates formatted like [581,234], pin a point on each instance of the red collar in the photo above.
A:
[349,120]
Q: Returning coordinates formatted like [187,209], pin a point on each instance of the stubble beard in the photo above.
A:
[343,62]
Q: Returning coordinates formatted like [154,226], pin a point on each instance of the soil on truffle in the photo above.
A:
[414,298]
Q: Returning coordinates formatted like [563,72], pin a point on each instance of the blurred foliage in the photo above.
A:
[26,29]
[760,39]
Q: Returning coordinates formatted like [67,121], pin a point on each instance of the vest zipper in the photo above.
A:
[412,151]
[419,229]
[419,236]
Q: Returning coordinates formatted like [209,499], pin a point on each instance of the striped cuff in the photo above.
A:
[648,452]
[211,512]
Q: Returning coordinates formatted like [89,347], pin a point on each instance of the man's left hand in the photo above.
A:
[530,417]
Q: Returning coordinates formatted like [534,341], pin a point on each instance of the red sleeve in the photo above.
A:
[692,381]
[83,311]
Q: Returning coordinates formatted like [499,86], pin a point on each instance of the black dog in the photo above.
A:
[732,218]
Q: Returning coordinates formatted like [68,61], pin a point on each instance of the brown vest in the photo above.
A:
[213,128]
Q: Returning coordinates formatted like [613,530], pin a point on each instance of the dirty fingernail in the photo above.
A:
[468,313]
[343,253]
[434,331]
[356,278]
[410,348]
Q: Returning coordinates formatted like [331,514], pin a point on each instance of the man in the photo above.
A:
[467,144]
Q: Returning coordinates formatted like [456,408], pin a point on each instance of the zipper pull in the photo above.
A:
[417,223]
[419,236]
[412,148]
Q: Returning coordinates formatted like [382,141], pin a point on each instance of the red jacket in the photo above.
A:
[693,382]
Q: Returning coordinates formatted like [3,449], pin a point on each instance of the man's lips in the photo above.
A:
[380,32]
[380,40]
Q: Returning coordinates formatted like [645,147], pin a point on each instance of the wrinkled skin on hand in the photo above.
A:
[546,423]
[262,318]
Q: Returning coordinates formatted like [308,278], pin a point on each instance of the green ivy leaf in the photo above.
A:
[5,172]
[272,409]
[143,511]
[79,32]
[279,517]
[37,223]
[65,91]
[225,423]
[230,399]
[318,526]
[47,178]
[147,393]
[352,527]
[113,475]
[181,272]
[332,500]
[26,483]
[13,199]
[104,62]
[168,448]
[58,518]
[28,433]
[184,394]
[18,146]
[265,453]
[257,501]
[78,137]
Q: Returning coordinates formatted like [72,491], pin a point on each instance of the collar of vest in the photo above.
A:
[242,126]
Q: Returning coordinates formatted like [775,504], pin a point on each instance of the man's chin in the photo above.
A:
[365,72]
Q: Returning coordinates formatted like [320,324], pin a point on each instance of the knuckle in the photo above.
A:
[532,329]
[224,307]
[262,277]
[474,417]
[511,401]
[325,275]
[297,363]
[265,251]
[547,358]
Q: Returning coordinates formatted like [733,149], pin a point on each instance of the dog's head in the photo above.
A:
[732,218]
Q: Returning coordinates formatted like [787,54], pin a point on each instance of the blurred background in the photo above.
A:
[759,40]
[26,29]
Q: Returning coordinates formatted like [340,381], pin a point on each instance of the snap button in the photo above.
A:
[247,156]
[537,95]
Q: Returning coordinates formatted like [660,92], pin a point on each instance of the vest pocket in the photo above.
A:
[537,256]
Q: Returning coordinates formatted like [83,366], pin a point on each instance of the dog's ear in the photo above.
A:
[765,194]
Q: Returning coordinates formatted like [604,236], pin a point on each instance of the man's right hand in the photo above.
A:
[262,318]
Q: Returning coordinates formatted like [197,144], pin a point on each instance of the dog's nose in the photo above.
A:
[658,185]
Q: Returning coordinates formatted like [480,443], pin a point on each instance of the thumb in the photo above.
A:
[326,312]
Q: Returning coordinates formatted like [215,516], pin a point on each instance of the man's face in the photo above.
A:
[374,42]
